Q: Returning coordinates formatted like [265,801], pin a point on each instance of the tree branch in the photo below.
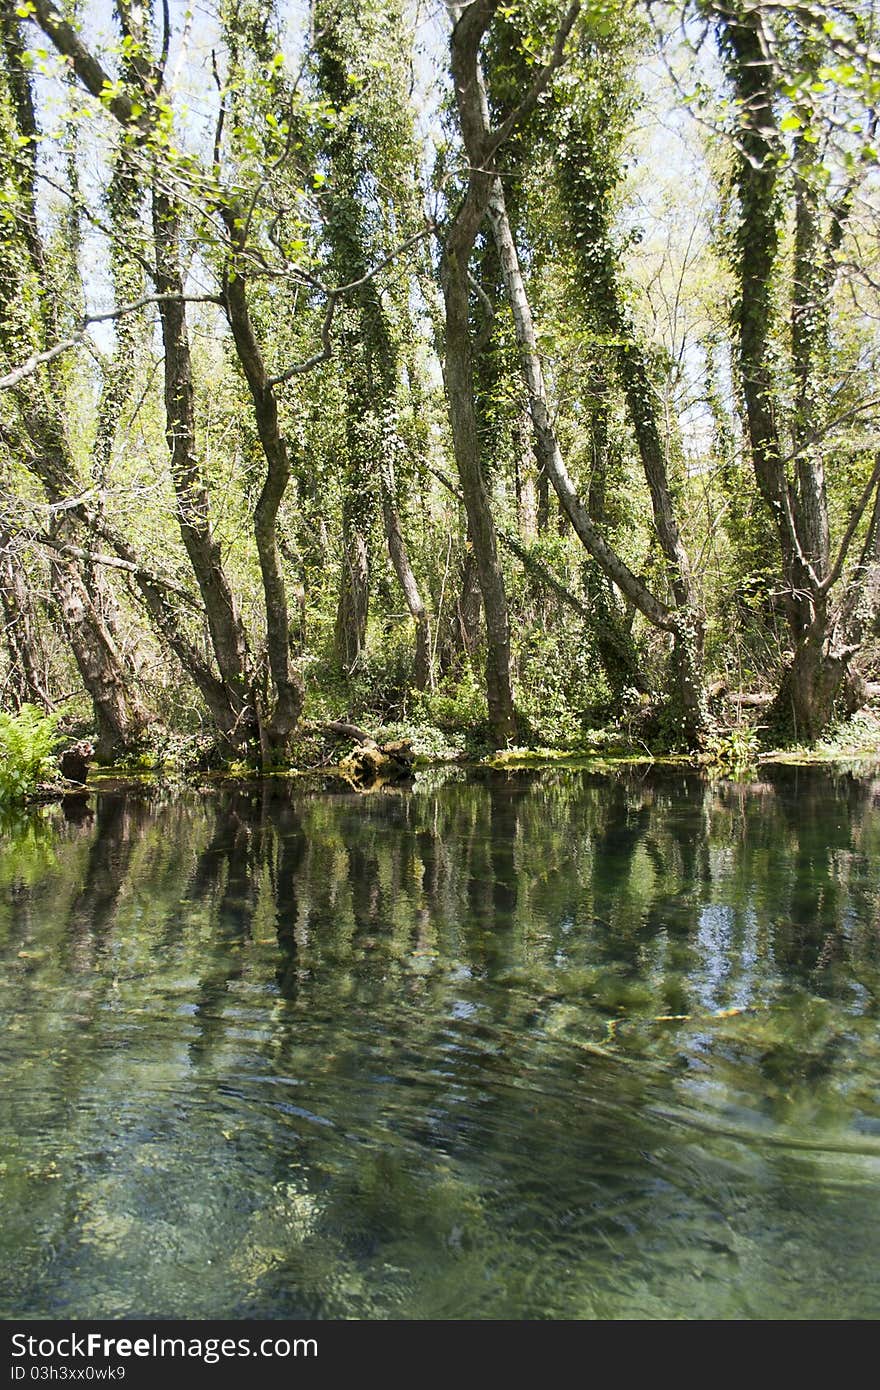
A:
[333,297]
[540,84]
[846,540]
[39,359]
[86,66]
[323,355]
[485,333]
[76,552]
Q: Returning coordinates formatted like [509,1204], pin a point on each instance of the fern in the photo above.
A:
[28,741]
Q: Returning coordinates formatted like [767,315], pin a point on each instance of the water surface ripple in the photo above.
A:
[552,1045]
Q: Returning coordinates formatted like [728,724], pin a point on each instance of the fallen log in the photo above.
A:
[750,699]
[370,762]
[335,726]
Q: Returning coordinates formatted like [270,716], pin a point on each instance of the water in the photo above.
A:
[547,1045]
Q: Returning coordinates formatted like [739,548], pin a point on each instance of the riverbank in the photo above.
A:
[328,757]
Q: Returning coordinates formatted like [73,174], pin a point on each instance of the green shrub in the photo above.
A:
[457,704]
[429,744]
[561,689]
[733,753]
[27,743]
[379,687]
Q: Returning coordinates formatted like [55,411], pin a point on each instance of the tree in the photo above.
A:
[794,207]
[362,66]
[586,181]
[34,431]
[482,146]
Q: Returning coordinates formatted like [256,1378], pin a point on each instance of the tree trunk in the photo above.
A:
[804,704]
[459,369]
[354,589]
[423,673]
[193,503]
[685,622]
[688,673]
[821,679]
[543,516]
[25,684]
[460,615]
[277,730]
[462,415]
[822,646]
[524,477]
[120,716]
[232,723]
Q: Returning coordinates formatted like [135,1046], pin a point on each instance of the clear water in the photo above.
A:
[531,1046]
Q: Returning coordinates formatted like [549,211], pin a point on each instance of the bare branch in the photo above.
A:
[816,18]
[39,359]
[413,240]
[112,562]
[221,117]
[325,353]
[817,436]
[483,337]
[333,298]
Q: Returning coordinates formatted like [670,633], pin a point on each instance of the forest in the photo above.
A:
[494,376]
[478,404]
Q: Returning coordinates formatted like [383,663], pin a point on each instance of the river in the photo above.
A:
[504,1045]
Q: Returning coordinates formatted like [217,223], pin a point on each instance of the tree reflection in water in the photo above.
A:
[542,1044]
